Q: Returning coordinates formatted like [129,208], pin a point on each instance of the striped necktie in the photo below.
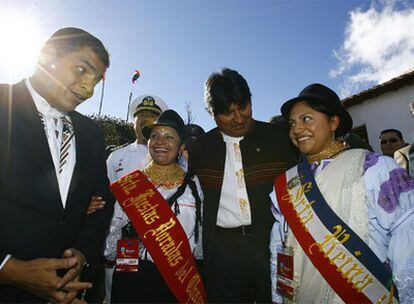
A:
[67,134]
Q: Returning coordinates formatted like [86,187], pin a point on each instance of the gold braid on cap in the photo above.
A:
[333,150]
[168,177]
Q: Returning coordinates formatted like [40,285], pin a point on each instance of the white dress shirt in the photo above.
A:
[52,121]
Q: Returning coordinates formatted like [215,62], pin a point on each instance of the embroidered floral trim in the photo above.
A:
[399,182]
[371,158]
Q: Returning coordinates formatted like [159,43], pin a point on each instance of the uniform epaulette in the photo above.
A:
[121,146]
[111,148]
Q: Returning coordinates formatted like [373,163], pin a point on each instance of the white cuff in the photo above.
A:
[5,261]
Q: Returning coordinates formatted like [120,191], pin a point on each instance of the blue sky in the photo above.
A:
[278,46]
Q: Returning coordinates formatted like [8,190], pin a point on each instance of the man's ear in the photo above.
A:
[47,56]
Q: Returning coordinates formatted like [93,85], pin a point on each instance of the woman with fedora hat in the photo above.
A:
[166,139]
[344,217]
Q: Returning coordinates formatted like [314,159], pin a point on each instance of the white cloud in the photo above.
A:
[378,45]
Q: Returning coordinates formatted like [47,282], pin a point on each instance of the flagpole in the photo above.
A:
[129,104]
[102,96]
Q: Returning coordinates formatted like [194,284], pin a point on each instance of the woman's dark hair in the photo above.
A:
[71,39]
[225,88]
[172,200]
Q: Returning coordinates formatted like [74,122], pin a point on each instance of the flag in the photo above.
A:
[136,76]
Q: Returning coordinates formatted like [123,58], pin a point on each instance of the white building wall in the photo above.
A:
[390,110]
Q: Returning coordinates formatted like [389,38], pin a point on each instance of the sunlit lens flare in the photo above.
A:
[19,48]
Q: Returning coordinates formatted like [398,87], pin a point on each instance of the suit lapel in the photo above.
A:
[29,126]
[81,155]
[221,150]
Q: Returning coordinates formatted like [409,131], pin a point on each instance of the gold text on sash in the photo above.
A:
[346,264]
[163,238]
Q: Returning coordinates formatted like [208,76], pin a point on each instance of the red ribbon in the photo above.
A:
[162,235]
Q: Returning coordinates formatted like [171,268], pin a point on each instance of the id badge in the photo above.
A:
[127,255]
[285,273]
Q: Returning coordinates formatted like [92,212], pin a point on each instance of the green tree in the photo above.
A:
[116,131]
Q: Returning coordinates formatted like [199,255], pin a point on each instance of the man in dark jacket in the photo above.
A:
[236,163]
[52,162]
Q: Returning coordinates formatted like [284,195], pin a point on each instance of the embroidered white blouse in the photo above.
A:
[389,197]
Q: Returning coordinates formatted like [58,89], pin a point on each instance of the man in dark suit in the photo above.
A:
[236,164]
[51,164]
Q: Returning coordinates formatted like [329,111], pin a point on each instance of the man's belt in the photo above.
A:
[162,234]
[242,230]
[342,258]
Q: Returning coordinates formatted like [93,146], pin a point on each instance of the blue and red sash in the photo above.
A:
[348,265]
[162,234]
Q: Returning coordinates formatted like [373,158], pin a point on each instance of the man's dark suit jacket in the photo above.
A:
[33,222]
[266,152]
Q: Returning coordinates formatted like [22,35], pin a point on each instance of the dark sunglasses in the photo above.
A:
[391,141]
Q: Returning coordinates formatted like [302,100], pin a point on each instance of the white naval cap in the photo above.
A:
[147,102]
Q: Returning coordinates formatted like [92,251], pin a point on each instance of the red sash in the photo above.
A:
[162,235]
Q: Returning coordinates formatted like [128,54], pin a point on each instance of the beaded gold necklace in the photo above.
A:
[169,176]
[333,150]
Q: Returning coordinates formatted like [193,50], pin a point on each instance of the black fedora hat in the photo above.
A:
[168,118]
[318,93]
